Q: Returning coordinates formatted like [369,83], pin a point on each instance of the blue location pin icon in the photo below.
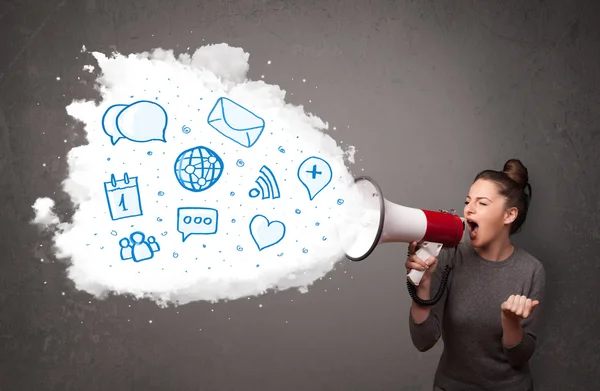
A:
[315,175]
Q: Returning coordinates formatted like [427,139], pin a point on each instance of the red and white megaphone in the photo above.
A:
[382,221]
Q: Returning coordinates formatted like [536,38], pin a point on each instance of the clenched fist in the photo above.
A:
[517,306]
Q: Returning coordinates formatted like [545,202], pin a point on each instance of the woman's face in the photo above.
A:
[486,213]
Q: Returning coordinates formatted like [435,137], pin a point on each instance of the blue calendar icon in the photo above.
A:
[123,197]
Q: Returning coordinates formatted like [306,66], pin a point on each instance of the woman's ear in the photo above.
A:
[511,215]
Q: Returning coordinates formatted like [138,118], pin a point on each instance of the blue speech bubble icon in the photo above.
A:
[143,121]
[315,174]
[197,221]
[109,122]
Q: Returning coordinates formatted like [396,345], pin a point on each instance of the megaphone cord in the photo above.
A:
[412,290]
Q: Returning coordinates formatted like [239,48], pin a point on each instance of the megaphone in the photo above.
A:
[382,221]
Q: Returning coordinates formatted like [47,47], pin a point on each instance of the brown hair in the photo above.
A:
[512,182]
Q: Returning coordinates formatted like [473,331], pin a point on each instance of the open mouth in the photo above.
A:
[473,228]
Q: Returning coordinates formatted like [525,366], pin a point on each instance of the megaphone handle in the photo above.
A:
[426,250]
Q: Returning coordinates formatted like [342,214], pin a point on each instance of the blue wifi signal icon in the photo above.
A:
[267,185]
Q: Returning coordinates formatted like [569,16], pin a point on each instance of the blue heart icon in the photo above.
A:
[266,233]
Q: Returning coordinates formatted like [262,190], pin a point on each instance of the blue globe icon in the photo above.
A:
[198,169]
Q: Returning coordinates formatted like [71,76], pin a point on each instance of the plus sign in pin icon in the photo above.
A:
[315,175]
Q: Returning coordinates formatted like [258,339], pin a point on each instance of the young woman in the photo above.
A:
[487,315]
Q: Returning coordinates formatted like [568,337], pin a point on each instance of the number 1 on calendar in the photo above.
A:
[122,203]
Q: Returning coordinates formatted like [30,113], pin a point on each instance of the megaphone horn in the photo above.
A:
[382,221]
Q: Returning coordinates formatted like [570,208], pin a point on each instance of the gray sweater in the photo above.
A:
[468,320]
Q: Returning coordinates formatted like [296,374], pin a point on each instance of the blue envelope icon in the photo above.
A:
[236,122]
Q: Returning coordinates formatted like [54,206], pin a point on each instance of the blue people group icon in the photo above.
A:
[315,174]
[137,247]
[197,221]
[236,122]
[266,233]
[267,185]
[198,169]
[140,122]
[123,197]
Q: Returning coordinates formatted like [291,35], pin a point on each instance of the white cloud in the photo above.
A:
[43,212]
[228,263]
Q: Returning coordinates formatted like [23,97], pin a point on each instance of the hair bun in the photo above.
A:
[517,172]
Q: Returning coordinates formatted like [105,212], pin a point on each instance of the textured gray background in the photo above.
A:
[430,92]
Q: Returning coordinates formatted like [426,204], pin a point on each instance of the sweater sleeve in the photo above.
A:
[426,334]
[520,353]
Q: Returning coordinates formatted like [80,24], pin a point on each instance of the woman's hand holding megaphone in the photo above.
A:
[414,262]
